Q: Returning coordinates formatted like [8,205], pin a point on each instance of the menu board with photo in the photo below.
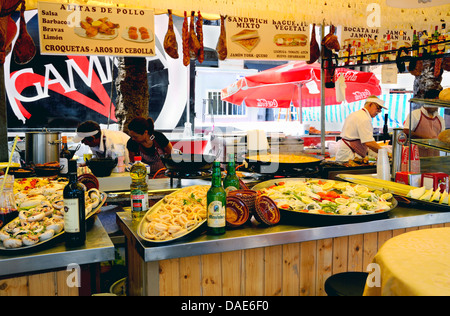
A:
[72,29]
[375,36]
[265,38]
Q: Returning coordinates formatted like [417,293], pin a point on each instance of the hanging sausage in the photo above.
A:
[185,37]
[199,30]
[24,48]
[170,41]
[194,45]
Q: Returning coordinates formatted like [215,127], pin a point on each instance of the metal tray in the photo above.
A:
[431,206]
[311,219]
[46,242]
[198,229]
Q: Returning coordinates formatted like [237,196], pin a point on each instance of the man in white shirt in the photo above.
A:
[426,123]
[357,132]
[101,141]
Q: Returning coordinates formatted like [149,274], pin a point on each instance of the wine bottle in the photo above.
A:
[64,157]
[216,203]
[231,181]
[74,209]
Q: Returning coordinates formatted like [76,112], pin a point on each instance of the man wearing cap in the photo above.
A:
[357,132]
[101,141]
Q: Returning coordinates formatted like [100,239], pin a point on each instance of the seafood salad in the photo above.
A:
[327,197]
[40,213]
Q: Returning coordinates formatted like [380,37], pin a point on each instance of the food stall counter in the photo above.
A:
[254,260]
[23,271]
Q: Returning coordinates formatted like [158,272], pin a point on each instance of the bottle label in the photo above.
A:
[71,218]
[216,214]
[64,163]
[230,188]
[139,202]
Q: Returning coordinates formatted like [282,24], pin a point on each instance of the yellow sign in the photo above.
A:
[255,38]
[72,29]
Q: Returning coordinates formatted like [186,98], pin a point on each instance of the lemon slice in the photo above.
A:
[328,185]
[427,196]
[341,201]
[444,198]
[436,195]
[360,189]
[341,185]
[354,206]
[307,200]
[386,196]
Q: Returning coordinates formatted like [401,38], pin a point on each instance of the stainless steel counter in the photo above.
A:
[98,248]
[255,236]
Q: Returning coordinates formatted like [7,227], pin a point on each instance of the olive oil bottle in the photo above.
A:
[216,203]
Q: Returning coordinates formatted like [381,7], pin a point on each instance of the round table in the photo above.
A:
[414,263]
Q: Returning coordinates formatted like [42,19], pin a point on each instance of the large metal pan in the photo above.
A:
[273,166]
[310,219]
[187,163]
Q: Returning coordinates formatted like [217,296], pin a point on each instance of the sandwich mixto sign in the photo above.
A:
[253,38]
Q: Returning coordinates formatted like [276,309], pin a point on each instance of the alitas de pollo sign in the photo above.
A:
[72,29]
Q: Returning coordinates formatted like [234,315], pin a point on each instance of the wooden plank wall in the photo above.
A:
[42,284]
[291,269]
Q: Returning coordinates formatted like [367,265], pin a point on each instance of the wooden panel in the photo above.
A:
[253,272]
[231,273]
[324,263]
[42,284]
[370,248]
[14,286]
[340,250]
[190,279]
[273,270]
[308,258]
[169,276]
[211,274]
[291,269]
[383,237]
[61,284]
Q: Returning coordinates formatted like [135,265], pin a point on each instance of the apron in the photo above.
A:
[357,147]
[154,161]
[430,127]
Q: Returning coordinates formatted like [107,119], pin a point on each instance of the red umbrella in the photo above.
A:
[279,87]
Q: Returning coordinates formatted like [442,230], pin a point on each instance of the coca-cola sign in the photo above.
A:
[361,95]
[263,103]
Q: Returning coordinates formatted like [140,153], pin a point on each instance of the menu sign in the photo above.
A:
[73,29]
[375,35]
[260,38]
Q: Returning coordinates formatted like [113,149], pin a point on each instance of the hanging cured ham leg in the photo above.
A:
[221,47]
[170,41]
[24,49]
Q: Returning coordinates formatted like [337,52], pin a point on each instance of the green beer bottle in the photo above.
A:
[231,181]
[216,203]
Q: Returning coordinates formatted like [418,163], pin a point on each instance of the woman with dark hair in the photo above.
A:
[147,143]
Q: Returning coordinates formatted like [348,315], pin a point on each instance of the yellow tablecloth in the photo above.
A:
[415,263]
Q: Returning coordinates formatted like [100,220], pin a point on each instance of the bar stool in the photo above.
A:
[346,284]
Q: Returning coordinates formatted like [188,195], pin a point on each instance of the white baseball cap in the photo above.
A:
[376,100]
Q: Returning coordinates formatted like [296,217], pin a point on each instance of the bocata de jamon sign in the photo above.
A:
[72,29]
